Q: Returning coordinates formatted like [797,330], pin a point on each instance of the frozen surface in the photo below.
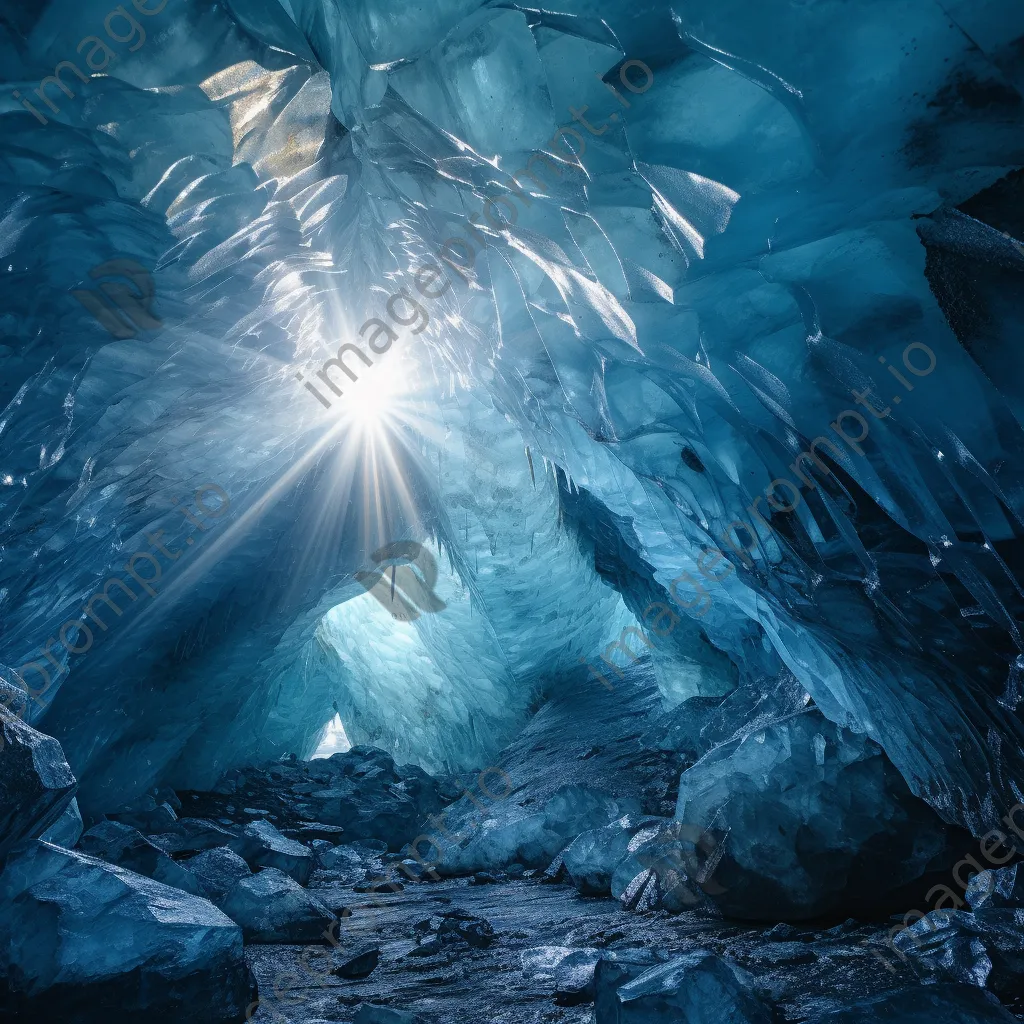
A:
[660,313]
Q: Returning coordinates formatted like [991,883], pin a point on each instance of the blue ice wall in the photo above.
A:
[763,211]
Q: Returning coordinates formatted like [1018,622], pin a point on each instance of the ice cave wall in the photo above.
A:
[686,300]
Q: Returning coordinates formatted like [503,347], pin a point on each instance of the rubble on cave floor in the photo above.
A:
[535,948]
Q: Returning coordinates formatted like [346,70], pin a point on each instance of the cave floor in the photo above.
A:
[470,985]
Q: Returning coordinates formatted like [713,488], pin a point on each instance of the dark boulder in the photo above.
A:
[88,942]
[928,1004]
[217,871]
[272,907]
[358,965]
[120,844]
[192,835]
[261,845]
[698,988]
[36,783]
[818,821]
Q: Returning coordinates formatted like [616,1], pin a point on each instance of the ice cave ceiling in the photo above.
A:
[725,319]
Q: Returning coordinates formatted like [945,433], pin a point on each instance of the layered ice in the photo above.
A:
[760,227]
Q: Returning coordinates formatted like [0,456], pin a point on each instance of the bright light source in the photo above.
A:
[375,398]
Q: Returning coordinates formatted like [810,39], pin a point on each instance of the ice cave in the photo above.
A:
[511,513]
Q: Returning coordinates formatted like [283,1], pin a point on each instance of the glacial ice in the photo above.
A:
[725,378]
[684,301]
[592,856]
[67,829]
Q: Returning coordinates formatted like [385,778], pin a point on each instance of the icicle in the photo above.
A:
[529,459]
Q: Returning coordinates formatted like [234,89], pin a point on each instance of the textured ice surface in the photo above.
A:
[98,942]
[684,300]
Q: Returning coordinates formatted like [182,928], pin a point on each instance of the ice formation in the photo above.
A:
[597,391]
[635,340]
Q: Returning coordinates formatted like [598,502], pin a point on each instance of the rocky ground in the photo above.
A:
[554,885]
[516,979]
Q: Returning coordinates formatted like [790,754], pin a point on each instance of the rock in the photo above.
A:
[67,829]
[591,858]
[555,873]
[341,858]
[782,954]
[996,888]
[120,844]
[484,878]
[86,941]
[369,847]
[410,869]
[531,838]
[574,975]
[569,971]
[148,815]
[358,965]
[662,870]
[430,947]
[379,886]
[260,844]
[309,832]
[849,925]
[273,907]
[929,1004]
[698,988]
[36,783]
[451,927]
[985,948]
[371,1013]
[781,931]
[701,723]
[217,871]
[360,792]
[192,835]
[458,924]
[816,818]
[612,971]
